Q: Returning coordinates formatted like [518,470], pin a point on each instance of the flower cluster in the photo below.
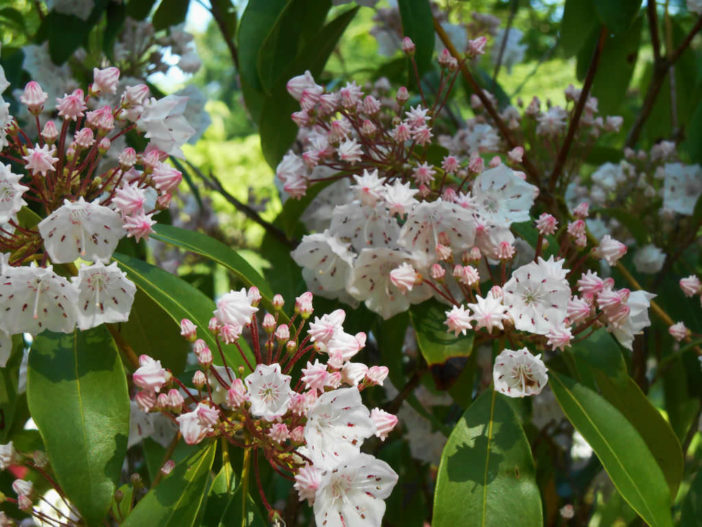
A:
[68,196]
[309,430]
[408,227]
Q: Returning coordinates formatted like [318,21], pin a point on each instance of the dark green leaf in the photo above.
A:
[176,500]
[139,9]
[617,15]
[623,453]
[691,514]
[391,337]
[11,402]
[418,24]
[77,393]
[116,15]
[616,67]
[151,331]
[66,34]
[434,341]
[299,18]
[170,13]
[578,21]
[693,143]
[256,23]
[14,16]
[217,252]
[487,476]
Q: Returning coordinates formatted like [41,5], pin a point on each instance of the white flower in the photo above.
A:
[307,482]
[458,320]
[399,197]
[638,304]
[502,198]
[322,330]
[165,125]
[369,187]
[649,259]
[537,296]
[327,258]
[371,282]
[608,176]
[364,227]
[105,295]
[192,425]
[81,230]
[431,223]
[235,308]
[519,373]
[10,193]
[610,250]
[682,187]
[553,122]
[269,391]
[488,312]
[34,299]
[337,424]
[353,493]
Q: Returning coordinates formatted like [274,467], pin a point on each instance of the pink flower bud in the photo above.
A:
[150,375]
[175,399]
[690,285]
[139,226]
[166,178]
[376,375]
[402,95]
[49,133]
[213,325]
[230,333]
[546,224]
[145,400]
[199,379]
[303,304]
[582,211]
[297,435]
[476,164]
[204,358]
[678,331]
[610,249]
[105,80]
[476,47]
[437,272]
[127,158]
[269,324]
[307,481]
[71,106]
[384,422]
[278,301]
[282,334]
[516,154]
[34,97]
[168,466]
[236,395]
[188,330]
[84,138]
[279,432]
[408,46]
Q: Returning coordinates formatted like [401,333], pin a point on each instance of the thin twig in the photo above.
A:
[660,70]
[505,36]
[579,107]
[124,347]
[529,169]
[653,29]
[215,184]
[218,17]
[394,405]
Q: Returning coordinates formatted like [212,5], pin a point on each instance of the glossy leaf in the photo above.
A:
[299,19]
[623,453]
[176,500]
[391,337]
[617,15]
[170,13]
[12,404]
[151,331]
[139,9]
[691,513]
[436,344]
[179,300]
[216,251]
[486,477]
[616,67]
[256,22]
[77,393]
[577,23]
[418,24]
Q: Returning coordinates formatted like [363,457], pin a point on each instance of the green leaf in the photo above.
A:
[691,513]
[602,354]
[418,24]
[391,337]
[77,392]
[256,22]
[170,13]
[116,15]
[693,143]
[176,500]
[217,252]
[11,402]
[617,15]
[487,475]
[14,16]
[616,67]
[577,23]
[139,9]
[151,331]
[66,34]
[435,343]
[299,18]
[179,300]
[623,453]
